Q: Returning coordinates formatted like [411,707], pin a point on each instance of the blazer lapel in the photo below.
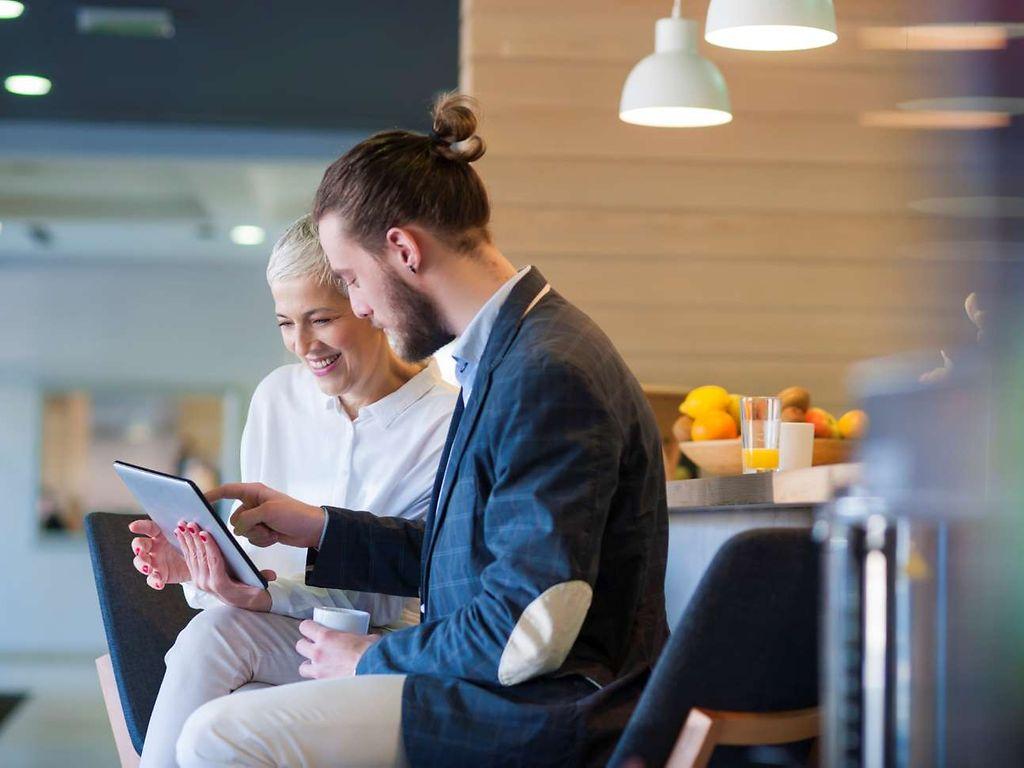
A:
[504,331]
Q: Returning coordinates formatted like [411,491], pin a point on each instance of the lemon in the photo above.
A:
[703,400]
[734,408]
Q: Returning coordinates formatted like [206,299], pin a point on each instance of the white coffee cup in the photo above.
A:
[343,619]
[796,445]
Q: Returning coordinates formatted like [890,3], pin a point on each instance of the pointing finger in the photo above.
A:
[250,494]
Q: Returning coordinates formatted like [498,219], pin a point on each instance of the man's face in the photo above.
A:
[376,291]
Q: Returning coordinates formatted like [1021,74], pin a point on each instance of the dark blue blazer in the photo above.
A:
[555,477]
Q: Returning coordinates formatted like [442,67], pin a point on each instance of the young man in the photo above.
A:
[540,566]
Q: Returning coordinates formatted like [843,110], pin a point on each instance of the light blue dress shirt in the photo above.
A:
[468,348]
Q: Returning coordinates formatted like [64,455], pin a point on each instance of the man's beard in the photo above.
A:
[419,330]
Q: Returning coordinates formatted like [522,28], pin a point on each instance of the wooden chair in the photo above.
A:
[741,668]
[112,699]
[706,729]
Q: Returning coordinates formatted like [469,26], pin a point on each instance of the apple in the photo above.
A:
[823,421]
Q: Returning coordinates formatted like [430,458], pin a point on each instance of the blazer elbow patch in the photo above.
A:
[545,632]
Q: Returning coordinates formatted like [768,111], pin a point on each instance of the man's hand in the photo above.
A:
[210,573]
[267,516]
[330,653]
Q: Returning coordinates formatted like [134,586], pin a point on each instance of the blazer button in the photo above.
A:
[423,607]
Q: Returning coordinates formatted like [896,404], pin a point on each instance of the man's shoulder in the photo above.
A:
[560,338]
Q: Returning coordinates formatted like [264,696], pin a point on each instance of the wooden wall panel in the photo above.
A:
[777,250]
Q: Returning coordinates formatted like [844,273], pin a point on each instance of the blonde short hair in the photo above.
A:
[298,254]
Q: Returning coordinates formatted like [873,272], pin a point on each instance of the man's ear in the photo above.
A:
[404,248]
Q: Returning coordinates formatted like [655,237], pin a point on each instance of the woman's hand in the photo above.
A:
[155,556]
[209,572]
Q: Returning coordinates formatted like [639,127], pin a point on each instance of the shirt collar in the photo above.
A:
[469,347]
[390,407]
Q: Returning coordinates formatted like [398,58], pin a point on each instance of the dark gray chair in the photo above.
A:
[742,666]
[130,610]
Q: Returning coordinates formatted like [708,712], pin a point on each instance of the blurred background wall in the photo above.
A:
[772,251]
[769,252]
[119,191]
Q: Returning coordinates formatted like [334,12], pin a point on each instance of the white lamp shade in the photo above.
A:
[675,87]
[771,25]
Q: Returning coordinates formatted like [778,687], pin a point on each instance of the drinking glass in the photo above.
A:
[760,418]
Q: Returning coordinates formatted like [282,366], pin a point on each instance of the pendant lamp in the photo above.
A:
[675,87]
[771,25]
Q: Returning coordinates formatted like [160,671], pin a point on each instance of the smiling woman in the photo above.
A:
[349,424]
[349,357]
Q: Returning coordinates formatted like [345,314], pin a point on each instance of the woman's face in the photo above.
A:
[318,326]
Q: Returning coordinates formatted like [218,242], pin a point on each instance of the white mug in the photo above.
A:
[343,619]
[796,445]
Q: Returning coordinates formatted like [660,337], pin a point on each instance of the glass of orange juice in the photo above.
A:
[760,418]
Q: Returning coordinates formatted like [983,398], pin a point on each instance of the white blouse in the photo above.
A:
[301,442]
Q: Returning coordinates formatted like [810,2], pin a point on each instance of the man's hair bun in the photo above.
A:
[454,130]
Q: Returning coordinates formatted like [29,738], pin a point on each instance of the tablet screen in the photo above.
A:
[168,499]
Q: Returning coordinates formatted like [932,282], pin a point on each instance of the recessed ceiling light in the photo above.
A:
[977,207]
[949,120]
[27,85]
[11,9]
[989,35]
[247,234]
[126,22]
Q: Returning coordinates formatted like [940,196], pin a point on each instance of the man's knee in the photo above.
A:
[210,736]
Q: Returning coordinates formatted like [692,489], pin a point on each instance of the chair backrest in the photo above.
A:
[141,623]
[748,641]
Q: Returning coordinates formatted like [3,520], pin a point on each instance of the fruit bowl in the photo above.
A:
[723,457]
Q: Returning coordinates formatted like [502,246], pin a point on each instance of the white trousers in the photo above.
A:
[296,722]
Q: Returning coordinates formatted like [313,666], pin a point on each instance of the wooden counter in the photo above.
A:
[706,512]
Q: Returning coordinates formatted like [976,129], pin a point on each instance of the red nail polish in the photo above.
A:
[137,551]
[202,536]
[181,526]
[145,569]
[191,528]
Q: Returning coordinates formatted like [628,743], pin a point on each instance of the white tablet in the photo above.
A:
[168,499]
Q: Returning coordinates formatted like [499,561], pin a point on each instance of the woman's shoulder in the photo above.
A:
[291,383]
[431,398]
[439,393]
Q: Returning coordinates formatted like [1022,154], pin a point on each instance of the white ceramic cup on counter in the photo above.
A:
[343,619]
[796,445]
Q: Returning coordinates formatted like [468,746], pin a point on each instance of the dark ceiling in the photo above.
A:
[314,64]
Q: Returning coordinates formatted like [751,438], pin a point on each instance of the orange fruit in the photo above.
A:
[714,425]
[853,425]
